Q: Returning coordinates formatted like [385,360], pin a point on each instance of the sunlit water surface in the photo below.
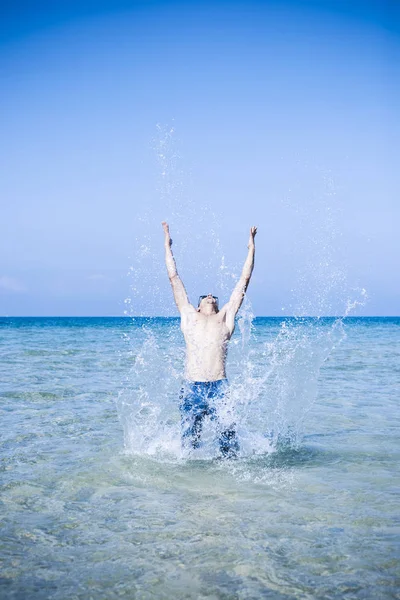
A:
[98,500]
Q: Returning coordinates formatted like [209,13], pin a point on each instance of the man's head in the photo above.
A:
[208,304]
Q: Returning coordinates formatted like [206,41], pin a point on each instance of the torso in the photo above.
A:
[206,338]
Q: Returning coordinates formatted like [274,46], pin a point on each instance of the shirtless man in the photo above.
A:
[207,331]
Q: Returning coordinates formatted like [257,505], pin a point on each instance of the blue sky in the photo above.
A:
[284,115]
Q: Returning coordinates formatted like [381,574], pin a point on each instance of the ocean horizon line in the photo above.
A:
[128,317]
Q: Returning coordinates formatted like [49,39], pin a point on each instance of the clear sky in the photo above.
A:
[285,115]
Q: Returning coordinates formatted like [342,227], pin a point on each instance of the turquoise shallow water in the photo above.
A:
[97,502]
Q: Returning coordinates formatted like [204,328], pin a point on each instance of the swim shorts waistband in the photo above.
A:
[189,382]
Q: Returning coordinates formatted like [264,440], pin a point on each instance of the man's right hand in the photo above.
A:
[168,241]
[253,232]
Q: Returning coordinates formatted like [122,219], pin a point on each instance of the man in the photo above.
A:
[207,331]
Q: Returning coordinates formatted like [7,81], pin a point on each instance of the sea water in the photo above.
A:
[99,501]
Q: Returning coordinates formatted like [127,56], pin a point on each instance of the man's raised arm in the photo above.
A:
[178,288]
[238,293]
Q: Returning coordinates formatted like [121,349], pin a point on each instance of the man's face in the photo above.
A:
[208,300]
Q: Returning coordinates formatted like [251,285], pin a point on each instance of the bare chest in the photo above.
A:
[205,330]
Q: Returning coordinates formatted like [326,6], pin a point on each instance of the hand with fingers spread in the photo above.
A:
[168,240]
[253,232]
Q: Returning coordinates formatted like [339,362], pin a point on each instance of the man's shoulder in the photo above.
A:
[188,309]
[189,317]
[188,314]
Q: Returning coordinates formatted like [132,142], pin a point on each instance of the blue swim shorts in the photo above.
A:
[199,399]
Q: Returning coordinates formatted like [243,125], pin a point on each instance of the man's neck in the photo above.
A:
[208,311]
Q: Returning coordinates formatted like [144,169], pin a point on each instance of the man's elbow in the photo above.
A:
[245,285]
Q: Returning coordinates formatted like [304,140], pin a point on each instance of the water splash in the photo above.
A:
[274,381]
[147,405]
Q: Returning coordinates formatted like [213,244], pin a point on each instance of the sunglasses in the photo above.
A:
[202,298]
